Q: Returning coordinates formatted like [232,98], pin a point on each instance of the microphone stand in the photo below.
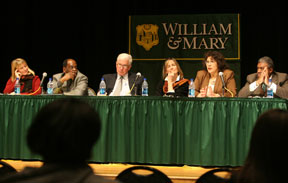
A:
[41,83]
[134,87]
[43,92]
[135,91]
[223,83]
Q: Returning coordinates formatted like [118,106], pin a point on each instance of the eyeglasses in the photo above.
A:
[122,66]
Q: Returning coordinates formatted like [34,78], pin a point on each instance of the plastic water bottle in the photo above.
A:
[270,93]
[191,88]
[102,87]
[145,87]
[17,87]
[50,87]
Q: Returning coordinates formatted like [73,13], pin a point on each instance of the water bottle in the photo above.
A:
[102,87]
[145,87]
[50,87]
[191,88]
[270,93]
[17,87]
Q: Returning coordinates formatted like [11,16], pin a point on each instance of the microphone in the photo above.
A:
[43,77]
[222,79]
[223,83]
[138,75]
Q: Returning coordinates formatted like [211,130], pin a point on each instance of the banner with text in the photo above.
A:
[184,37]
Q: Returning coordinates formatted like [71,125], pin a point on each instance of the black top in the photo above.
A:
[181,91]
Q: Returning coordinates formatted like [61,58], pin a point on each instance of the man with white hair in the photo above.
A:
[257,83]
[121,83]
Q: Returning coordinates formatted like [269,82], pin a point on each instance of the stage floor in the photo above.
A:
[178,174]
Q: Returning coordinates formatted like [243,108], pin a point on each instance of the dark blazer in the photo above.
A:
[280,79]
[110,80]
[202,80]
[181,91]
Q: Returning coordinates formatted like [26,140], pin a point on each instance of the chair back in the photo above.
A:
[211,177]
[91,92]
[5,168]
[130,176]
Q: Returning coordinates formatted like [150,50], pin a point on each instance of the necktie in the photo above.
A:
[264,89]
[118,87]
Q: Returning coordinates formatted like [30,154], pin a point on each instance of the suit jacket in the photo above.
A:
[78,86]
[280,79]
[110,80]
[202,80]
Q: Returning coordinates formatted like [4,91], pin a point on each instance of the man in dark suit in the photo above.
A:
[122,82]
[257,83]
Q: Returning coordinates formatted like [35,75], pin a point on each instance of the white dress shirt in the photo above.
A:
[177,79]
[125,91]
[253,86]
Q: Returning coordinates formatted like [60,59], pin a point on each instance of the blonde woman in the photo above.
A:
[30,83]
[173,82]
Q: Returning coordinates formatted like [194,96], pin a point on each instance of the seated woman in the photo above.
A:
[208,81]
[30,83]
[173,82]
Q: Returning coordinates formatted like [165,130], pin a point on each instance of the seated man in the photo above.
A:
[71,81]
[121,83]
[257,83]
[63,133]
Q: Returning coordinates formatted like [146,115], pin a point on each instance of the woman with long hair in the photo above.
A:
[173,82]
[267,160]
[30,83]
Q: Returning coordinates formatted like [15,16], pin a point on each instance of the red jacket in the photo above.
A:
[36,89]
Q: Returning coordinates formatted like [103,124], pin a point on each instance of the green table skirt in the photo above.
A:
[150,130]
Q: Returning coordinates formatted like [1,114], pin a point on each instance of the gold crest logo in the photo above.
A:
[147,36]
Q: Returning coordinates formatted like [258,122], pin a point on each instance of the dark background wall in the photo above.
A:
[95,32]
